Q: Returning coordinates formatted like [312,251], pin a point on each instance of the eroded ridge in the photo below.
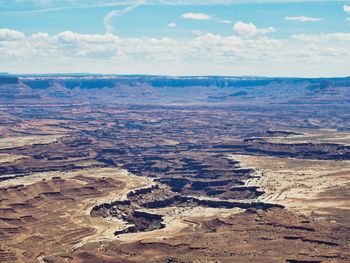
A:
[49,213]
[138,209]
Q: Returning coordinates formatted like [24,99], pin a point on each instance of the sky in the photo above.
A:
[290,38]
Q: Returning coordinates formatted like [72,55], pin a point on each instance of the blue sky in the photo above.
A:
[275,38]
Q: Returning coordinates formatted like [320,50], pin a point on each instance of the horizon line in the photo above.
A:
[82,74]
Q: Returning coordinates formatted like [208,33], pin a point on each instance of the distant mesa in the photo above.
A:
[142,89]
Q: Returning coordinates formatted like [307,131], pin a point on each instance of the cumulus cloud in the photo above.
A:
[172,25]
[303,19]
[196,16]
[249,29]
[70,37]
[245,29]
[10,35]
[346,9]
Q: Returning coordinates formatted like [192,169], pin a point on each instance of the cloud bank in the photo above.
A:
[250,52]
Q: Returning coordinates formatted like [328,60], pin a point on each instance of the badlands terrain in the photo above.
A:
[163,169]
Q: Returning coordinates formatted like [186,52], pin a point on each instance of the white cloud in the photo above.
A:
[69,36]
[245,29]
[172,25]
[303,19]
[224,21]
[249,29]
[10,35]
[108,19]
[203,54]
[197,16]
[346,9]
[267,30]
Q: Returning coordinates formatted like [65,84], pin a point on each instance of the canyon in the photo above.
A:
[174,169]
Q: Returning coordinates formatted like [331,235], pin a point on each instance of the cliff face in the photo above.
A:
[8,80]
[12,89]
[176,90]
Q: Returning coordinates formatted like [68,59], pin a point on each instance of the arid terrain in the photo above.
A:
[137,171]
